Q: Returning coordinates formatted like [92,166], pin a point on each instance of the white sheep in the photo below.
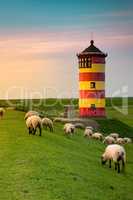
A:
[69,128]
[97,136]
[2,111]
[30,113]
[33,123]
[88,132]
[109,140]
[48,123]
[115,153]
[120,141]
[127,140]
[114,135]
[90,127]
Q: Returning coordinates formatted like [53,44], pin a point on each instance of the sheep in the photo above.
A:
[30,113]
[127,140]
[114,135]
[120,141]
[97,136]
[48,123]
[88,132]
[2,111]
[109,140]
[79,125]
[90,127]
[115,153]
[69,128]
[33,123]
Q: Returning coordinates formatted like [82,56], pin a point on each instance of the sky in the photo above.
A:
[39,40]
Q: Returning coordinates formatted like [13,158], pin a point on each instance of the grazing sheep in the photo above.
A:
[97,136]
[114,135]
[90,127]
[120,141]
[31,113]
[48,123]
[79,125]
[88,132]
[69,128]
[127,140]
[33,123]
[2,111]
[109,140]
[115,153]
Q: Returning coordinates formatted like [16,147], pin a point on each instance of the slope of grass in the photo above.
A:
[126,116]
[108,126]
[55,167]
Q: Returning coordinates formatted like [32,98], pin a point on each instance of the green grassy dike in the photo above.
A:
[56,167]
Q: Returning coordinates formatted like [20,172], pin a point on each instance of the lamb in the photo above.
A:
[33,123]
[97,136]
[69,128]
[2,111]
[114,135]
[88,132]
[115,153]
[31,113]
[120,141]
[127,140]
[109,140]
[48,123]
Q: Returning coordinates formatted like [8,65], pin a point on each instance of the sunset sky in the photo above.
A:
[39,40]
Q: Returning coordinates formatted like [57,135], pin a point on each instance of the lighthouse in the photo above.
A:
[92,82]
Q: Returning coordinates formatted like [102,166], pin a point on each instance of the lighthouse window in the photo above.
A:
[85,64]
[92,85]
[89,62]
[79,63]
[93,106]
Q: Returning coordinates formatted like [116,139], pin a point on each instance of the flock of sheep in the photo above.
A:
[33,121]
[113,152]
[113,138]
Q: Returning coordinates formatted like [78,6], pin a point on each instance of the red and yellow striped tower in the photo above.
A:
[92,82]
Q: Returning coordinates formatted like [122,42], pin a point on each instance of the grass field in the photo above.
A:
[126,118]
[55,167]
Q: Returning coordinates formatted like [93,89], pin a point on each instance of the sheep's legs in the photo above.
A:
[40,129]
[115,166]
[34,131]
[123,164]
[118,167]
[51,129]
[40,132]
[30,131]
[109,163]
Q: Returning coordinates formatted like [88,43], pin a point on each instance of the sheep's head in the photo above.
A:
[103,160]
[72,129]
